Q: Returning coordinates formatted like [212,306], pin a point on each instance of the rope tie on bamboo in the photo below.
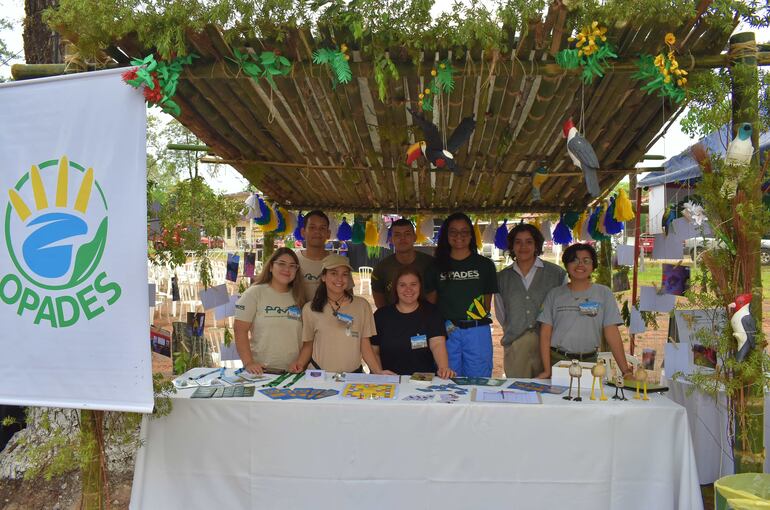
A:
[741,51]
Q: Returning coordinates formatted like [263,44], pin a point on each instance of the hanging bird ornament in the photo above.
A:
[743,324]
[739,153]
[582,155]
[539,176]
[439,155]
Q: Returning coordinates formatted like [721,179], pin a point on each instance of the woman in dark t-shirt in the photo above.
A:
[410,333]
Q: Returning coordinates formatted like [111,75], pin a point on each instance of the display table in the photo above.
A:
[707,417]
[351,454]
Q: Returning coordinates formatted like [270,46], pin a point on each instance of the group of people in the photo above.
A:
[433,312]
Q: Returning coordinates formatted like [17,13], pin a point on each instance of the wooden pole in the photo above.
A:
[748,405]
[635,287]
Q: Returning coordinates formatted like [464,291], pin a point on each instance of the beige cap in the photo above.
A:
[335,260]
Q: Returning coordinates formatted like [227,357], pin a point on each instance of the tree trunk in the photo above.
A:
[41,44]
[93,471]
[748,448]
[268,241]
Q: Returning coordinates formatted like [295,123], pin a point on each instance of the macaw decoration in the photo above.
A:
[583,156]
[744,326]
[344,231]
[433,148]
[501,236]
[668,217]
[539,176]
[739,153]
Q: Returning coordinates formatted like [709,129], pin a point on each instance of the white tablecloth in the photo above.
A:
[341,454]
[707,417]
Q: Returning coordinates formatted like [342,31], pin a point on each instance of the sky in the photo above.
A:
[228,180]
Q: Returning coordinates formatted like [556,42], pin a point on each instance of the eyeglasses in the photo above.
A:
[286,265]
[459,233]
[586,261]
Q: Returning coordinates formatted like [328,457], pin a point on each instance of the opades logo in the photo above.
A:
[56,224]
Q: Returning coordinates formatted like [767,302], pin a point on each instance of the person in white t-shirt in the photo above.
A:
[268,324]
[316,232]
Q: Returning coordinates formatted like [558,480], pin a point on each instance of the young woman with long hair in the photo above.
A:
[267,315]
[465,282]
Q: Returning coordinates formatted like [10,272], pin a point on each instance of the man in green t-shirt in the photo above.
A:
[403,237]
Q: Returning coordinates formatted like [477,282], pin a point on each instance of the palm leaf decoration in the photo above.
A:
[337,61]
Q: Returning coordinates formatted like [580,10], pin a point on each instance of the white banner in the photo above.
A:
[74,329]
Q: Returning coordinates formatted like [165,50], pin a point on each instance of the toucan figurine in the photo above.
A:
[433,147]
[739,153]
[744,327]
[583,155]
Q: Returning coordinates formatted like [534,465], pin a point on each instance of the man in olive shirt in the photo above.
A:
[403,237]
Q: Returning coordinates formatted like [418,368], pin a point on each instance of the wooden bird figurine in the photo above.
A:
[640,376]
[619,385]
[575,370]
[433,148]
[598,371]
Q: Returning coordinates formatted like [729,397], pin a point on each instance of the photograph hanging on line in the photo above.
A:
[675,279]
[232,267]
[249,263]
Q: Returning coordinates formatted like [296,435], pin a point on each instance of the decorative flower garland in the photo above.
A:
[265,65]
[443,81]
[591,52]
[337,60]
[663,74]
[159,80]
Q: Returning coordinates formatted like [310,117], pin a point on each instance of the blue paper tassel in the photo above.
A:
[344,231]
[562,233]
[501,236]
[300,226]
[611,225]
[265,217]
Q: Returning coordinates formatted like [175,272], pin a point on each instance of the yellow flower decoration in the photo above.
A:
[433,72]
[427,92]
[343,47]
[347,57]
[442,65]
[421,96]
[670,39]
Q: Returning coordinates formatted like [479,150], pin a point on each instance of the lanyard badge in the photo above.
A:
[345,319]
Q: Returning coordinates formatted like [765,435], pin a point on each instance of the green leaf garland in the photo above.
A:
[159,79]
[591,52]
[656,80]
[265,65]
[443,81]
[337,60]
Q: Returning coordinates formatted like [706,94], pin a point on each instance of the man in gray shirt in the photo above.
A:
[523,286]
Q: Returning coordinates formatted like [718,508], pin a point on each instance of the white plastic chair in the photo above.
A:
[365,277]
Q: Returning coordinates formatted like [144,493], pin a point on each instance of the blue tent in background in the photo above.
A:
[684,169]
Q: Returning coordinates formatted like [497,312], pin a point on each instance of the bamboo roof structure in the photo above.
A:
[307,144]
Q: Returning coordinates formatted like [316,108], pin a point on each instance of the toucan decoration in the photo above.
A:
[743,324]
[433,148]
[583,155]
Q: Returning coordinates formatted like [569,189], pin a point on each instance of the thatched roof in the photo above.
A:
[308,144]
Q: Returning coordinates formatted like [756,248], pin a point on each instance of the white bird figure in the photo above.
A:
[739,153]
[582,155]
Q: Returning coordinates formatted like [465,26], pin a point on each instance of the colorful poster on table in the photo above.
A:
[73,255]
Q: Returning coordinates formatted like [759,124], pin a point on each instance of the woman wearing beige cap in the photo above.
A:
[336,325]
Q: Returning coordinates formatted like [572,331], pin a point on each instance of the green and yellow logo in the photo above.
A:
[56,243]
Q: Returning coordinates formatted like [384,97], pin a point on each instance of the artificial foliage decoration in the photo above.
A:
[591,52]
[265,65]
[158,79]
[337,61]
[384,70]
[501,236]
[624,211]
[298,229]
[662,73]
[562,234]
[344,231]
[265,214]
[443,81]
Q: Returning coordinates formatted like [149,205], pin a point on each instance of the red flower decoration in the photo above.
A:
[129,75]
[154,95]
